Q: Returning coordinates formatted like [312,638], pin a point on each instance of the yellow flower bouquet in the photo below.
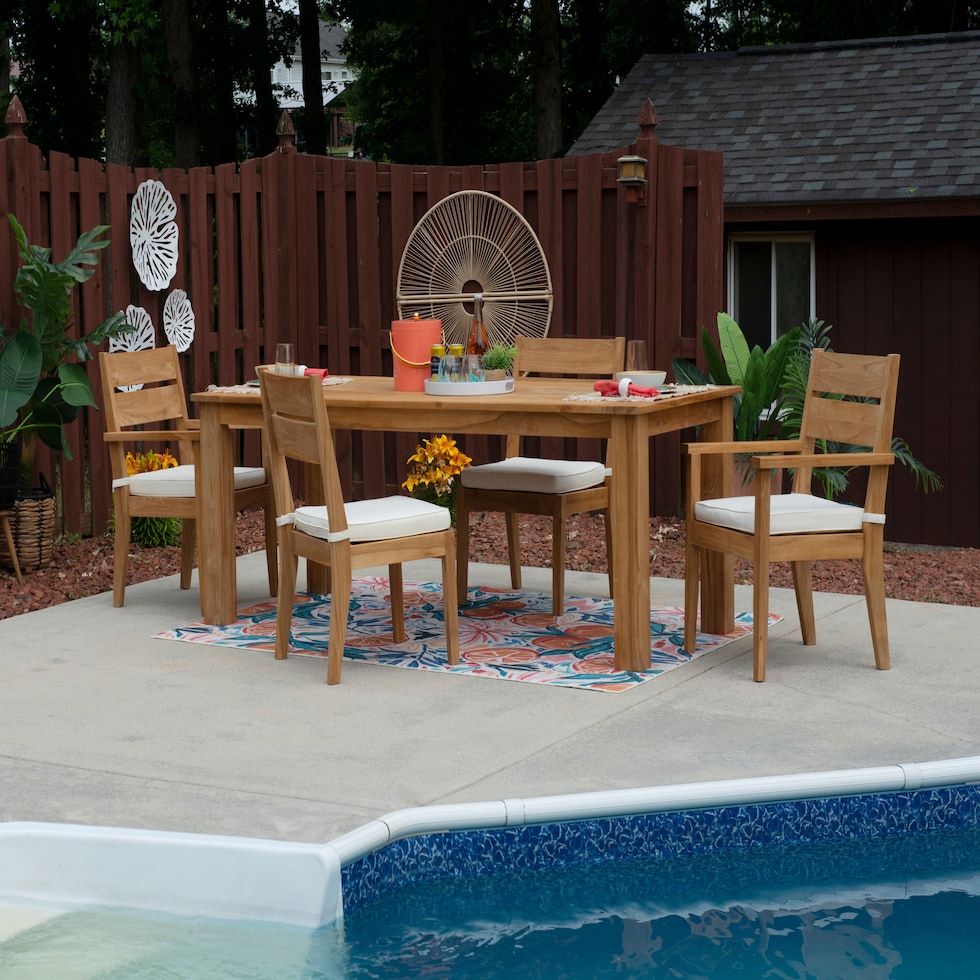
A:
[153,532]
[432,471]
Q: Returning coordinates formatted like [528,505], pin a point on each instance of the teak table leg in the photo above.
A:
[629,455]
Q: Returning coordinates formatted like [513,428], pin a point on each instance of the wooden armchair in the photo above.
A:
[342,536]
[143,391]
[556,488]
[850,399]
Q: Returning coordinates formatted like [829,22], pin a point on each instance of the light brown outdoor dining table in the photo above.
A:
[536,407]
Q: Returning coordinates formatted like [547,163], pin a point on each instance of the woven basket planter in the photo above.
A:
[33,526]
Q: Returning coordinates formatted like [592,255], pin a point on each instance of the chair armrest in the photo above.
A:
[742,448]
[137,435]
[821,460]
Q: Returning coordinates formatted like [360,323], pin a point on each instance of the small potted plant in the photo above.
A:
[498,361]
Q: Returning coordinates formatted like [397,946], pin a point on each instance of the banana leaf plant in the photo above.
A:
[42,385]
[760,373]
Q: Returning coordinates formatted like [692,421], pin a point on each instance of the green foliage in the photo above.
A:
[41,390]
[156,532]
[759,373]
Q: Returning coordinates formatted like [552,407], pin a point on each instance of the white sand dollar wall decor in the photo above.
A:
[153,234]
[178,320]
[143,337]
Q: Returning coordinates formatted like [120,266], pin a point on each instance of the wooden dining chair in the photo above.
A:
[850,400]
[344,536]
[145,403]
[555,488]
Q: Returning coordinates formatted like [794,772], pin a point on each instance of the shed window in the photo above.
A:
[770,284]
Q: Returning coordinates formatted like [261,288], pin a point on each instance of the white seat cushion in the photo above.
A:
[178,481]
[790,513]
[527,473]
[377,520]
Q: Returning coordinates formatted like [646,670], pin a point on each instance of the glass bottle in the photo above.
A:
[478,344]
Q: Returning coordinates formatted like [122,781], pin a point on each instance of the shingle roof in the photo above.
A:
[880,119]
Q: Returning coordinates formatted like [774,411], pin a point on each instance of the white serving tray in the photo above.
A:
[455,389]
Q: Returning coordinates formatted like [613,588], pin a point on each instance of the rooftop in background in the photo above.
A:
[878,119]
[334,73]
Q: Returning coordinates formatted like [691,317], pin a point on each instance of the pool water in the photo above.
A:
[896,908]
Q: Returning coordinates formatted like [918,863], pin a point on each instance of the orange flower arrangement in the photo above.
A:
[433,469]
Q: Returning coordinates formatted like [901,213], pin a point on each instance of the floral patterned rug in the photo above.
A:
[503,633]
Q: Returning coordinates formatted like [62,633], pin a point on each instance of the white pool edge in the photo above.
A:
[300,884]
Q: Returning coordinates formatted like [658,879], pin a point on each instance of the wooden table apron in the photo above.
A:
[536,407]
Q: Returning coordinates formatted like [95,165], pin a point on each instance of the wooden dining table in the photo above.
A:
[535,407]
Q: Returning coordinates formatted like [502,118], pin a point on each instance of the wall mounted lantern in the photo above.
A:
[632,175]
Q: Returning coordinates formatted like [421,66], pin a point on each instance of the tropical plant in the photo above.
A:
[41,388]
[761,374]
[815,333]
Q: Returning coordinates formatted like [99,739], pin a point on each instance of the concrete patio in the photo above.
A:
[102,724]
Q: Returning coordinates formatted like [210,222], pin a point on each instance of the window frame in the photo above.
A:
[792,237]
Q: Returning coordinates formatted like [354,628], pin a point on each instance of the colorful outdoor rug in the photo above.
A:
[503,633]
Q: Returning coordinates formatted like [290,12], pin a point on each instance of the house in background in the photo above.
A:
[852,193]
[335,76]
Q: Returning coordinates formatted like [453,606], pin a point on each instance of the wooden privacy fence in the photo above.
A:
[307,249]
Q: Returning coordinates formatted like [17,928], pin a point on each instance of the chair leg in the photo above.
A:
[271,549]
[188,539]
[450,600]
[120,559]
[803,585]
[558,533]
[609,550]
[287,596]
[873,571]
[340,565]
[760,619]
[397,597]
[462,572]
[692,582]
[514,548]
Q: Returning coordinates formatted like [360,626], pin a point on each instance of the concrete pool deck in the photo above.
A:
[102,724]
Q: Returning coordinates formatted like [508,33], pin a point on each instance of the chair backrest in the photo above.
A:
[141,388]
[595,357]
[297,427]
[832,413]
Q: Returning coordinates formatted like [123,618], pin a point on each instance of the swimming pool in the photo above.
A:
[772,823]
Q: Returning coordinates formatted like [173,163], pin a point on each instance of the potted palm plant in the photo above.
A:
[42,384]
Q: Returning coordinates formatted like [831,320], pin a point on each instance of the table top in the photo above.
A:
[529,394]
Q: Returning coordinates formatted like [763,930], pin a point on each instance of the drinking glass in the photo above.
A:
[636,355]
[285,359]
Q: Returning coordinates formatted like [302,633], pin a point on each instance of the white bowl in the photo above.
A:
[644,379]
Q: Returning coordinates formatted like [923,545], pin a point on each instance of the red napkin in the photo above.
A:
[321,372]
[608,388]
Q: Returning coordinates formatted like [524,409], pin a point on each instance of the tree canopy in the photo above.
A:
[159,82]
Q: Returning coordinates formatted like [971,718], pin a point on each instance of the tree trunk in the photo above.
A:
[180,55]
[546,77]
[266,109]
[222,134]
[121,104]
[315,126]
